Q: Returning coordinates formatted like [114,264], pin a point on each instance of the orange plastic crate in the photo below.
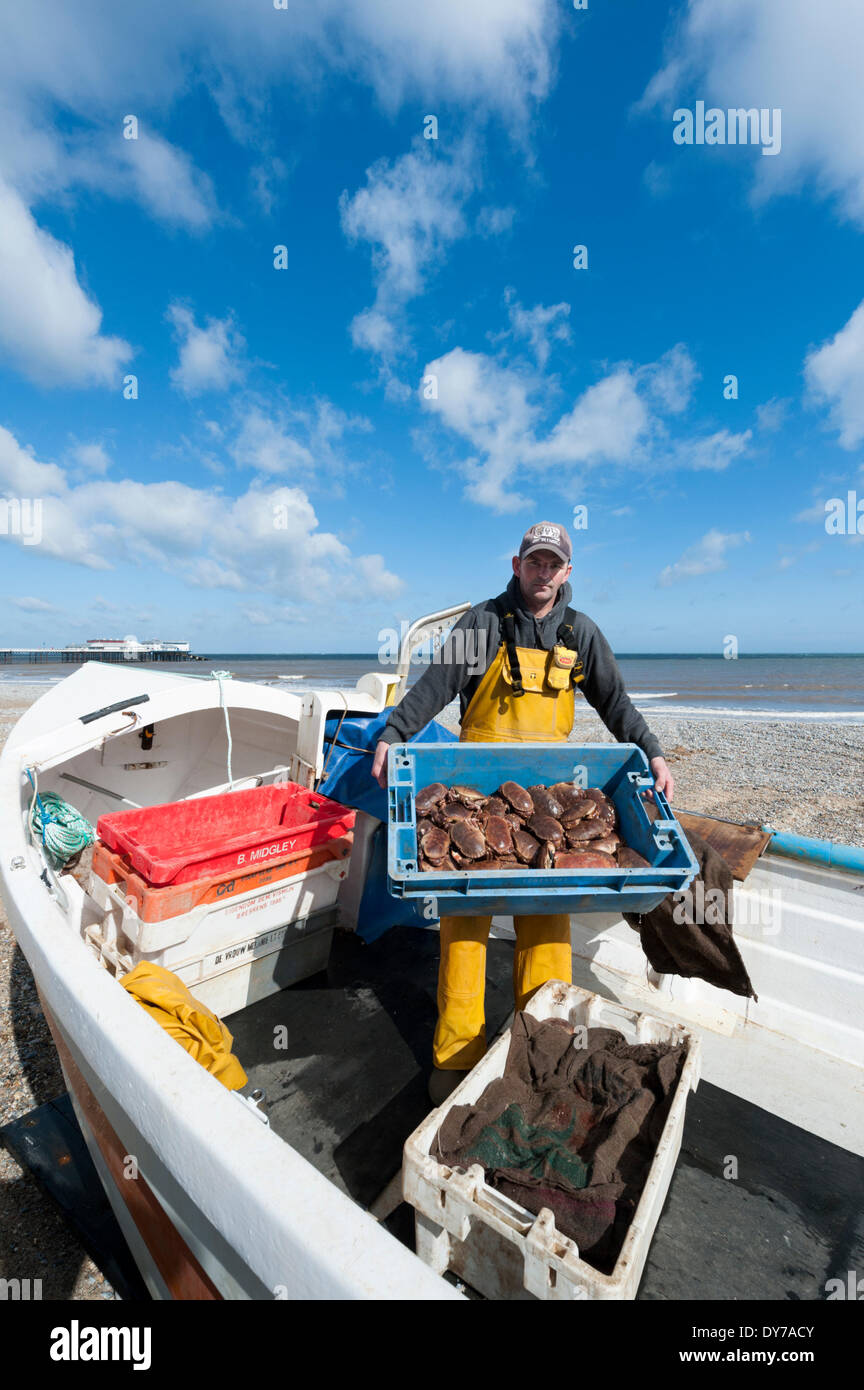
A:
[172,900]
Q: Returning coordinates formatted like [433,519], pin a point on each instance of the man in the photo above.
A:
[529,641]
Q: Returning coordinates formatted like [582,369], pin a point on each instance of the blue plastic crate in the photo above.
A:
[619,769]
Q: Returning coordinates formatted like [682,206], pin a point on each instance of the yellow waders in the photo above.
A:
[544,714]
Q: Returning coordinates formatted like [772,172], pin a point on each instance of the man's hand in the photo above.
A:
[663,779]
[379,765]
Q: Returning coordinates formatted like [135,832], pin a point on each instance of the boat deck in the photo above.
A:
[350,1086]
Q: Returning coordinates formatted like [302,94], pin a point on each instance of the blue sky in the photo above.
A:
[319,452]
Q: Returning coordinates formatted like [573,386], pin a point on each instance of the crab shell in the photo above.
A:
[451,811]
[468,839]
[567,793]
[546,802]
[499,836]
[544,856]
[578,810]
[435,845]
[525,845]
[428,797]
[584,859]
[517,798]
[546,828]
[605,807]
[469,796]
[585,830]
[630,859]
[608,844]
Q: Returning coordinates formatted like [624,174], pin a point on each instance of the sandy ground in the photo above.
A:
[793,775]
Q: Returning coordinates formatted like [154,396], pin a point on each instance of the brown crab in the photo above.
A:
[545,801]
[546,828]
[517,798]
[605,807]
[629,858]
[498,835]
[583,831]
[429,797]
[584,859]
[525,845]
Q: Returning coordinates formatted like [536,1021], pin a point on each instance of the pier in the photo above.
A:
[121,649]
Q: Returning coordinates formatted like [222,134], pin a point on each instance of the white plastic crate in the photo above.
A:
[229,951]
[494,1244]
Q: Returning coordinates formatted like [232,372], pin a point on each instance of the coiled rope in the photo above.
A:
[64,832]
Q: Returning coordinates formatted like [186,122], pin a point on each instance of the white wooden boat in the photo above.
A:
[220,1204]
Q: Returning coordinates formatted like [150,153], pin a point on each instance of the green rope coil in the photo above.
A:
[63,831]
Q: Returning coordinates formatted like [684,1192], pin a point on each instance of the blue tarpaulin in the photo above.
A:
[348,778]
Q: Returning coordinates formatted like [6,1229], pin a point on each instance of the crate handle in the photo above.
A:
[504,1208]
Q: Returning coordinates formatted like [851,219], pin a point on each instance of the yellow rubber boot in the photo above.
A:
[460,1033]
[542,953]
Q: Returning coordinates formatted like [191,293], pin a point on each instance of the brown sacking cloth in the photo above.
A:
[571,1128]
[706,950]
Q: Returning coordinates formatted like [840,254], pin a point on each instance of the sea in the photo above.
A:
[817,687]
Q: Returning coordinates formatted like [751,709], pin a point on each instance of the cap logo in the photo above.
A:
[547,533]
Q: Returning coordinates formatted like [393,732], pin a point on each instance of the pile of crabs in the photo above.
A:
[558,827]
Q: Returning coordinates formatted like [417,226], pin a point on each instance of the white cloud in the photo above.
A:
[266,617]
[377,579]
[266,446]
[498,410]
[835,377]
[266,540]
[67,86]
[91,458]
[210,358]
[814,513]
[165,181]
[771,415]
[607,422]
[540,326]
[713,451]
[49,328]
[707,556]
[34,605]
[495,221]
[789,54]
[487,404]
[299,440]
[408,211]
[671,379]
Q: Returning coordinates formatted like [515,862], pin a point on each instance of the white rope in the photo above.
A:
[220,676]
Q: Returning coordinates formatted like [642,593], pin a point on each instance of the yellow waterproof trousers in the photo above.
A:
[542,953]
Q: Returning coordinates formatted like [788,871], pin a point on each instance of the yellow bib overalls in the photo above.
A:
[544,714]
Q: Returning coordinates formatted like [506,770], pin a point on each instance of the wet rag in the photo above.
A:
[677,944]
[569,1127]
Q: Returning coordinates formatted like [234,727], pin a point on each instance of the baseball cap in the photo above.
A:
[546,535]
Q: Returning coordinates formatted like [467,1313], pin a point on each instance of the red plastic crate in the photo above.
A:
[185,840]
[159,904]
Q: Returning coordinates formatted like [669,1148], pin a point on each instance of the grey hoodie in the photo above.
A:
[472,646]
